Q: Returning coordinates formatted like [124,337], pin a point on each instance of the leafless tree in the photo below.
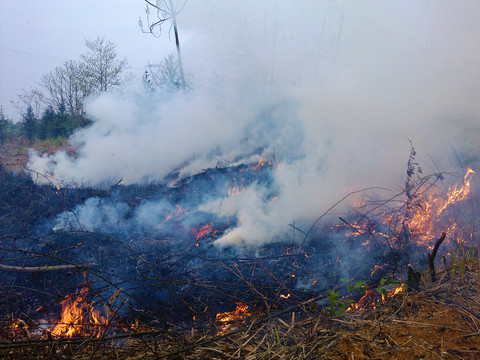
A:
[66,85]
[166,10]
[102,69]
[34,98]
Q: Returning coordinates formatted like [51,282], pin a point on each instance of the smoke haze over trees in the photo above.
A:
[333,100]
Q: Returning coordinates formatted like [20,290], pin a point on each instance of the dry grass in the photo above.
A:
[438,321]
[14,152]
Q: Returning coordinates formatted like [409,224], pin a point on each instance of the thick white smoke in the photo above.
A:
[334,89]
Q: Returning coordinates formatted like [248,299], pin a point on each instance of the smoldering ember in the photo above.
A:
[251,178]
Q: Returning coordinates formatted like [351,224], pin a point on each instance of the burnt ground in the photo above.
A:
[164,275]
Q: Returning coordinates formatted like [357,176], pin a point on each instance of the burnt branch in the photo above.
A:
[431,257]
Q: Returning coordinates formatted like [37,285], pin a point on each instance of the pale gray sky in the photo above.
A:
[382,42]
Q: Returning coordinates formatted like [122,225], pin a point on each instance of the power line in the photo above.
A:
[28,56]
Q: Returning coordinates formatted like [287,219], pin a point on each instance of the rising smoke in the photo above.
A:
[332,90]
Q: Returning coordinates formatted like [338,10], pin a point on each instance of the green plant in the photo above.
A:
[381,289]
[360,286]
[453,260]
[460,256]
[337,304]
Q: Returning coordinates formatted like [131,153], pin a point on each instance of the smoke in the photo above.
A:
[332,91]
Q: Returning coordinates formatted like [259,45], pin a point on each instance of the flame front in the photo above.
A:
[423,221]
[423,218]
[180,211]
[370,298]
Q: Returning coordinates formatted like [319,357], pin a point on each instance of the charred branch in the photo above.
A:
[413,278]
[431,257]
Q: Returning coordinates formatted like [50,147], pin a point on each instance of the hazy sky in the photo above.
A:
[292,41]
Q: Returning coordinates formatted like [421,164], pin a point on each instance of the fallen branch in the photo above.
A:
[45,267]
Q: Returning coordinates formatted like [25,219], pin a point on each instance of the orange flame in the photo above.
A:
[422,222]
[238,314]
[260,164]
[425,218]
[234,190]
[202,230]
[370,298]
[78,318]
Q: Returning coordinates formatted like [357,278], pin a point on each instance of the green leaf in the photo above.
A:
[382,291]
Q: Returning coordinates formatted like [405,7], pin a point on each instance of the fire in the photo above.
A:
[234,190]
[376,268]
[260,164]
[454,195]
[237,186]
[392,293]
[370,298]
[203,230]
[425,216]
[180,211]
[240,313]
[398,290]
[17,328]
[423,221]
[78,317]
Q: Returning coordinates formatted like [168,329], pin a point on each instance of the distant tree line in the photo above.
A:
[55,107]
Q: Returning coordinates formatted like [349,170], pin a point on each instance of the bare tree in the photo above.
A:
[166,10]
[102,69]
[67,85]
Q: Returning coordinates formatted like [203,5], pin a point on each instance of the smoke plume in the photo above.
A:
[330,91]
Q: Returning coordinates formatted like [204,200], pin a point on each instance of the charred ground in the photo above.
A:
[151,280]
